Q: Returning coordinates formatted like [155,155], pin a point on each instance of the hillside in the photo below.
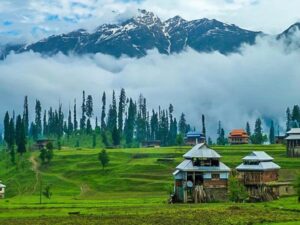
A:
[134,183]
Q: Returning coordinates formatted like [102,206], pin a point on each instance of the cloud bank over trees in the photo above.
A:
[261,81]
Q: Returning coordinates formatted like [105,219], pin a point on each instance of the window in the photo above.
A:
[215,176]
[0,189]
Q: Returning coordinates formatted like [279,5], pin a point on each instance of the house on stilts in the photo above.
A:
[201,177]
[293,142]
[259,174]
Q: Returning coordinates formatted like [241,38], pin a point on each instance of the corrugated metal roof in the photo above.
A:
[187,165]
[201,151]
[293,137]
[194,134]
[262,166]
[2,186]
[294,131]
[258,156]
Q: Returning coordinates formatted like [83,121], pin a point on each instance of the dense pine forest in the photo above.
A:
[125,122]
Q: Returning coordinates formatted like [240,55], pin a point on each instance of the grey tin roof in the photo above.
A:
[293,137]
[2,186]
[201,151]
[187,165]
[258,156]
[294,131]
[262,166]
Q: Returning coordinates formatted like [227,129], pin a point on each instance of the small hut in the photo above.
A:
[194,137]
[293,142]
[2,190]
[258,173]
[201,177]
[41,143]
[238,137]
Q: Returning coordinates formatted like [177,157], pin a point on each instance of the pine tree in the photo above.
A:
[38,117]
[89,128]
[248,129]
[116,136]
[272,133]
[288,119]
[257,137]
[182,125]
[7,129]
[75,122]
[20,135]
[221,140]
[296,115]
[203,126]
[70,124]
[154,126]
[45,125]
[89,106]
[26,115]
[130,122]
[103,113]
[83,110]
[94,140]
[112,114]
[11,142]
[122,104]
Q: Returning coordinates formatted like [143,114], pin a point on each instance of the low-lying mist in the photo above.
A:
[260,81]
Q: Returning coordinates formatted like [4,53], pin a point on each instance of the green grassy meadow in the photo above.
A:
[133,189]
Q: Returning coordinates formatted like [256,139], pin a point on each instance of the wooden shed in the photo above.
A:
[259,173]
[201,177]
[293,142]
[2,190]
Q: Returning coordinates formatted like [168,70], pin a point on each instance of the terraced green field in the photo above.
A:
[133,189]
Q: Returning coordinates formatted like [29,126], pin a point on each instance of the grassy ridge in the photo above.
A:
[132,189]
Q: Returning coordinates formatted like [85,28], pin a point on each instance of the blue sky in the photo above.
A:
[31,20]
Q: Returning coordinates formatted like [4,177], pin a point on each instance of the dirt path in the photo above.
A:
[35,169]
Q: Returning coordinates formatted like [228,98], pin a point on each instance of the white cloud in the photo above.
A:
[262,81]
[60,16]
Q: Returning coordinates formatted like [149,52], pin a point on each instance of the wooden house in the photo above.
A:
[293,142]
[238,137]
[151,144]
[41,143]
[2,190]
[193,138]
[258,172]
[201,177]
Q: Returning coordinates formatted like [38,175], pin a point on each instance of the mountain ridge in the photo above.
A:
[144,32]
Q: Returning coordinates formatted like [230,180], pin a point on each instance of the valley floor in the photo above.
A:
[133,189]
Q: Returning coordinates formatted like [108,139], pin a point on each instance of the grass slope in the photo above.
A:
[133,189]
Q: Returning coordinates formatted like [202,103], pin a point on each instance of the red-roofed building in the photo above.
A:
[238,137]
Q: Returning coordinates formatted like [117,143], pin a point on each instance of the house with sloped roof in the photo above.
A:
[193,138]
[238,137]
[259,174]
[2,190]
[201,176]
[293,142]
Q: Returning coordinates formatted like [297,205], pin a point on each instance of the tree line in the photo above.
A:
[124,122]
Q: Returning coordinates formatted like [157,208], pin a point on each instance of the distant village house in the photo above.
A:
[201,177]
[293,142]
[151,144]
[2,190]
[41,143]
[193,138]
[260,174]
[238,137]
